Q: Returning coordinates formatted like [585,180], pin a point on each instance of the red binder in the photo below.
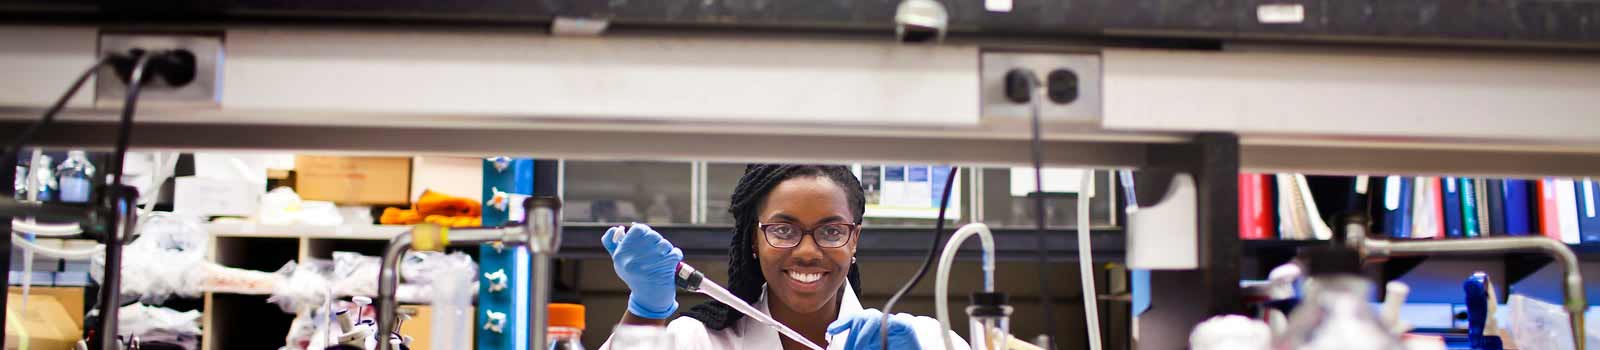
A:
[1549,215]
[1255,208]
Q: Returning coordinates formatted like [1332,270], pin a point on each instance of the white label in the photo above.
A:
[1450,185]
[1361,184]
[1391,193]
[997,5]
[1281,13]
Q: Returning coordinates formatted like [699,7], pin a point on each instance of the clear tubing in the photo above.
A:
[941,282]
[1091,309]
[45,230]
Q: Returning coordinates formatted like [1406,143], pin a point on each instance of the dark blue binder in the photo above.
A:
[1452,208]
[1588,193]
[1397,206]
[1497,212]
[1518,207]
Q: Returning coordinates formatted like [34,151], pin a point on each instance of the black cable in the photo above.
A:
[1037,149]
[110,287]
[13,150]
[933,251]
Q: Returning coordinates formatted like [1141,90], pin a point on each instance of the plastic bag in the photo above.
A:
[281,206]
[356,274]
[304,284]
[140,319]
[1535,324]
[167,258]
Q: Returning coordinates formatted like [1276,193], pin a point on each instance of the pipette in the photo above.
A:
[692,280]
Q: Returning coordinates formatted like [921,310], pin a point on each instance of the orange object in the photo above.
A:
[434,203]
[566,315]
[436,208]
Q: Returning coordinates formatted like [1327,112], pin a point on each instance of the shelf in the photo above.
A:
[350,232]
[889,243]
[1518,265]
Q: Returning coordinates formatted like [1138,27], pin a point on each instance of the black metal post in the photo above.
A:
[8,166]
[1181,299]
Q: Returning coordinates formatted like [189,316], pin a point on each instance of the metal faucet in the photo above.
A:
[1572,288]
[540,233]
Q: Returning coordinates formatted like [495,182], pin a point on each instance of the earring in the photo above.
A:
[852,260]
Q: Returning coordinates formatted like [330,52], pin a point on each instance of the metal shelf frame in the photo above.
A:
[274,115]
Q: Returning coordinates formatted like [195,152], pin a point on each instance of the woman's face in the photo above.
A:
[807,202]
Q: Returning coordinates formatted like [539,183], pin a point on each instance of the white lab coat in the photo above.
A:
[690,334]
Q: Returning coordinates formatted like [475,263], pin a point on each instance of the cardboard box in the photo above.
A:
[70,298]
[47,323]
[354,180]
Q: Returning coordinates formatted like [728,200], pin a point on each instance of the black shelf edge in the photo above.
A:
[582,241]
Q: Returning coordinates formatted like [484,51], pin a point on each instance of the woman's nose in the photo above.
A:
[807,248]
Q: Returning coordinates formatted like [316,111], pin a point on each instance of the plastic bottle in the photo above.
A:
[566,326]
[44,180]
[75,176]
[19,183]
[453,290]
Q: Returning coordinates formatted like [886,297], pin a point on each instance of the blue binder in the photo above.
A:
[1452,208]
[1397,206]
[1518,207]
[1588,193]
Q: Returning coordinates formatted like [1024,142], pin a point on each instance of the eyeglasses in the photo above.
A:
[786,235]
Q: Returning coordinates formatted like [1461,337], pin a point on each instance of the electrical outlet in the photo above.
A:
[1072,91]
[204,90]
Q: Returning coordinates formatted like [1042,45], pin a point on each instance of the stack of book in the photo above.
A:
[1289,206]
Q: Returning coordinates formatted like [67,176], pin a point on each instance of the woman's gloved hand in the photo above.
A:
[864,328]
[646,262]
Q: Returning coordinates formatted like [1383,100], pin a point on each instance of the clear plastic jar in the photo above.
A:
[990,320]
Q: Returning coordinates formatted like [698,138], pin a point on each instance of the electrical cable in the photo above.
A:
[933,252]
[1036,147]
[12,149]
[110,286]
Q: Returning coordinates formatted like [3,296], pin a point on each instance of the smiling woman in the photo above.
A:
[792,255]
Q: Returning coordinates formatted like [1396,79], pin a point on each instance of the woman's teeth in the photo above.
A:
[805,277]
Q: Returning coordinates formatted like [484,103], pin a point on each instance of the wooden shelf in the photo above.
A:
[351,232]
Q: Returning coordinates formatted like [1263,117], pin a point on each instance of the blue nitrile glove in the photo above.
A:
[646,262]
[864,331]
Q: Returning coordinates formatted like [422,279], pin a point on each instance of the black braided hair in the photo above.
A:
[744,271]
